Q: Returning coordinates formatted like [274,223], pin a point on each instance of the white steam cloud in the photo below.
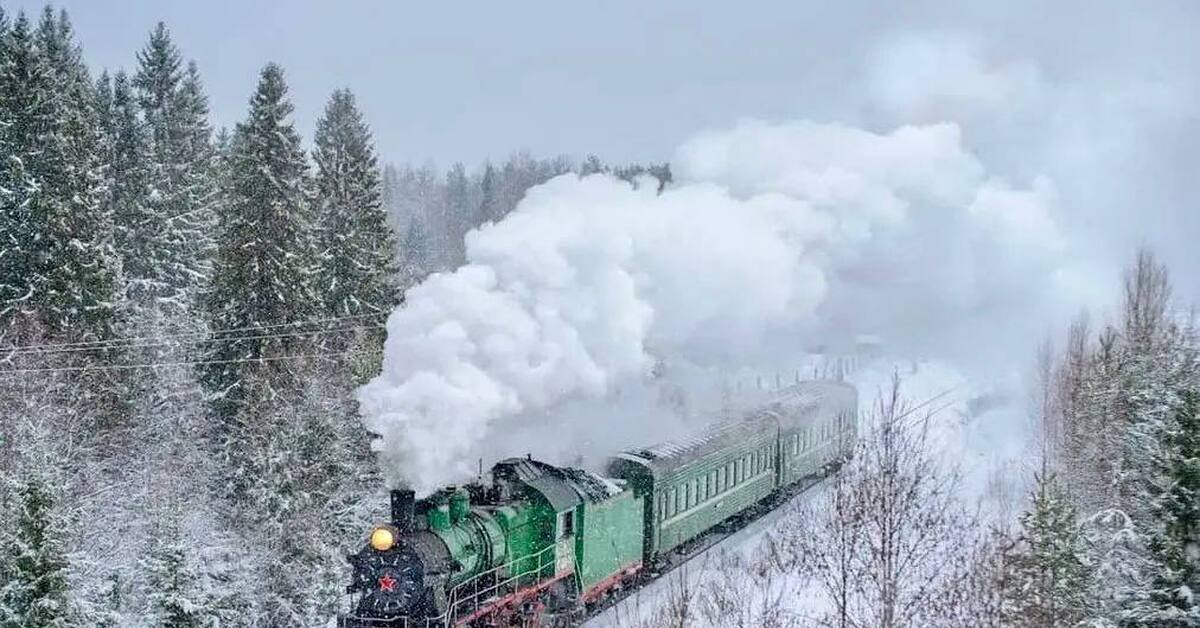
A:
[774,237]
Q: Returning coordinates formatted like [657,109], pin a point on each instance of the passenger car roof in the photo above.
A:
[788,408]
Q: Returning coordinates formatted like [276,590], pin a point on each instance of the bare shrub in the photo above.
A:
[888,544]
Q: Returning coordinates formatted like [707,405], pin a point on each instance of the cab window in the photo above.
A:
[566,524]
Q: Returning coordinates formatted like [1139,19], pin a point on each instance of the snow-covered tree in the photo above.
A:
[1173,598]
[261,282]
[489,207]
[308,467]
[355,244]
[79,266]
[416,263]
[24,80]
[60,269]
[1048,582]
[460,213]
[591,165]
[175,231]
[171,586]
[890,544]
[126,178]
[418,196]
[33,590]
[1124,395]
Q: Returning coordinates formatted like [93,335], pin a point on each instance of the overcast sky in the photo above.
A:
[1100,98]
[624,79]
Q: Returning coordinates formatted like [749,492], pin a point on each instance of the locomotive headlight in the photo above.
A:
[383,538]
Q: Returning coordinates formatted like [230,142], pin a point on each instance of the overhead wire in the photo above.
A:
[200,339]
[152,365]
[207,334]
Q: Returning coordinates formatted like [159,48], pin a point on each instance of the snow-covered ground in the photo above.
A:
[975,426]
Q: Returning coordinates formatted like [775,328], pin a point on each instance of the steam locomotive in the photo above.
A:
[547,545]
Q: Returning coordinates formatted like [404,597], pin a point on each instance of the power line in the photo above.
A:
[202,339]
[97,344]
[153,365]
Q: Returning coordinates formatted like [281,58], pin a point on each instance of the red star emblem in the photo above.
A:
[387,583]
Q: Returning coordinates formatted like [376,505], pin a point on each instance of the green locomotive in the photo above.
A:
[546,544]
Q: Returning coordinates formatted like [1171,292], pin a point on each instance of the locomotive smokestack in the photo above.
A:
[402,509]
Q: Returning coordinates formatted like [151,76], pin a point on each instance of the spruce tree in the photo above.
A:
[354,241]
[33,593]
[59,269]
[104,112]
[126,175]
[78,265]
[489,206]
[417,263]
[460,214]
[170,580]
[172,263]
[1049,583]
[24,82]
[1174,599]
[262,274]
[198,196]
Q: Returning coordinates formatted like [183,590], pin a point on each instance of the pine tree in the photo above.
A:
[261,280]
[1049,583]
[33,593]
[172,262]
[354,241]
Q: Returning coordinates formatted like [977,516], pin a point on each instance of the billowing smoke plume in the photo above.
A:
[774,238]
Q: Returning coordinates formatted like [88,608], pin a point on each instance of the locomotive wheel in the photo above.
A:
[551,609]
[529,614]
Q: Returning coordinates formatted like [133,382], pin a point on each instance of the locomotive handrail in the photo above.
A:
[460,604]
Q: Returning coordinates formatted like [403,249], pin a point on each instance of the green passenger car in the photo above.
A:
[818,427]
[690,486]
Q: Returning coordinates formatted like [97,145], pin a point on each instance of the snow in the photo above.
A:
[974,443]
